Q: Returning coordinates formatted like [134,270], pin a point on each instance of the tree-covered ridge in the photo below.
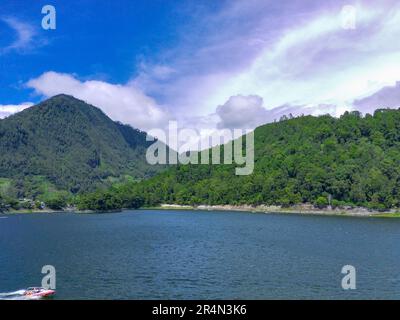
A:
[64,146]
[352,160]
[70,145]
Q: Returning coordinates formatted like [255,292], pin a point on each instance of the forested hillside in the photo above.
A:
[353,160]
[65,145]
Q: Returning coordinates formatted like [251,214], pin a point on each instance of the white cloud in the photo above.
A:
[9,109]
[24,34]
[313,62]
[289,54]
[248,112]
[124,103]
[256,60]
[241,112]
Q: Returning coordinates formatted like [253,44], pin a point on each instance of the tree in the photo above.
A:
[321,202]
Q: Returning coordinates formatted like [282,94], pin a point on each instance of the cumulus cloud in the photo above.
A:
[9,109]
[241,112]
[24,34]
[387,97]
[124,103]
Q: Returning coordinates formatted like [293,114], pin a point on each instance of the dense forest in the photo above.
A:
[353,160]
[65,152]
[62,147]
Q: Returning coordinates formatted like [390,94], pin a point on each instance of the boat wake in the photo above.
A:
[16,295]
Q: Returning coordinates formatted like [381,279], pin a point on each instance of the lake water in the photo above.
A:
[150,254]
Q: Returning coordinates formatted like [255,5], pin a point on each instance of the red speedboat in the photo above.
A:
[38,292]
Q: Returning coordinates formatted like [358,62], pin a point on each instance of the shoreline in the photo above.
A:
[304,209]
[26,211]
[297,209]
[50,211]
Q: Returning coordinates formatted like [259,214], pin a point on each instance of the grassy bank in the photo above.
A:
[389,215]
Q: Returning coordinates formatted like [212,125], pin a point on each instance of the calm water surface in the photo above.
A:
[150,254]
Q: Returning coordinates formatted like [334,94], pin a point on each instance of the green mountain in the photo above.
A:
[66,144]
[352,160]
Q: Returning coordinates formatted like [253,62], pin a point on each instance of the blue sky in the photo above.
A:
[208,64]
[94,40]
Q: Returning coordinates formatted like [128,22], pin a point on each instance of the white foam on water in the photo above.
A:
[16,295]
[12,293]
